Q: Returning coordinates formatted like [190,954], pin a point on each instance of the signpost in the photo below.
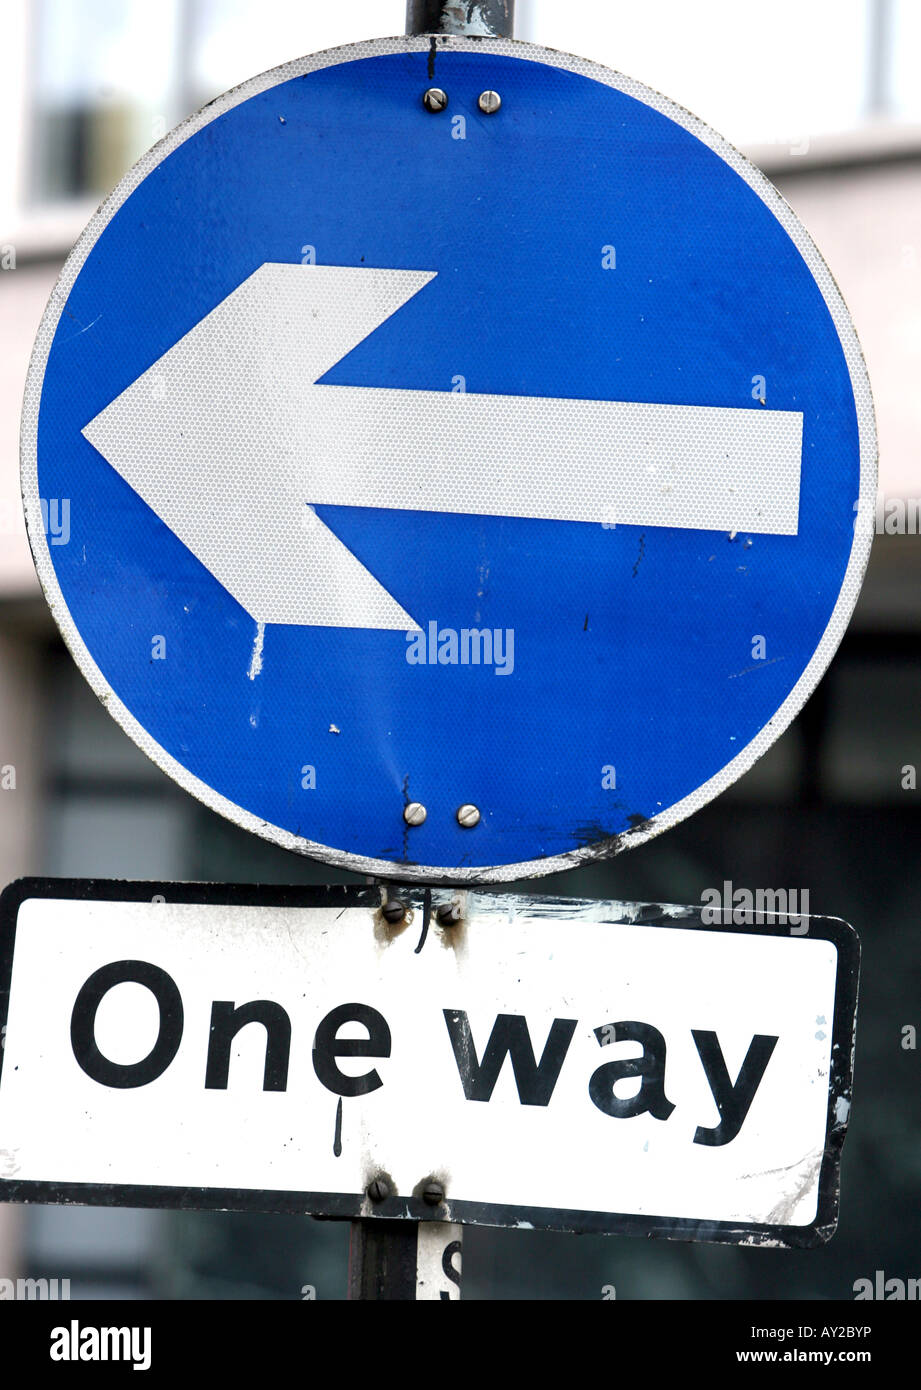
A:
[465,450]
[553,1064]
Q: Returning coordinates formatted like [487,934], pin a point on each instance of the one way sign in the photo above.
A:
[293,1050]
[468,492]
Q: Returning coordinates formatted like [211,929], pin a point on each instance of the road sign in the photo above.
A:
[290,1050]
[501,459]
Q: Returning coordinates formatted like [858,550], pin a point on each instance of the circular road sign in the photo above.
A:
[456,489]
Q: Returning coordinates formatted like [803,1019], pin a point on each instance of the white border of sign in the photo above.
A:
[864,505]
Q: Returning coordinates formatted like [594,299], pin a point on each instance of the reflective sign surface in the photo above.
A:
[291,1050]
[450,460]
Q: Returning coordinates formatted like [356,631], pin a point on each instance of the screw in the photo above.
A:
[379,1189]
[449,914]
[468,816]
[489,103]
[393,911]
[435,99]
[433,1193]
[414,813]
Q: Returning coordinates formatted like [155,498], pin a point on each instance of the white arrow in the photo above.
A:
[231,442]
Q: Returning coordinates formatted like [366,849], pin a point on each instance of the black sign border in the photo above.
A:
[354,1206]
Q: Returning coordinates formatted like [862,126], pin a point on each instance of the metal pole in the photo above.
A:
[407,1259]
[382,1260]
[492,18]
[879,58]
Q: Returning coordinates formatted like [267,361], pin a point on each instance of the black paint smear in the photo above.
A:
[432,57]
[585,624]
[337,1137]
[447,1255]
[426,914]
[640,556]
[405,823]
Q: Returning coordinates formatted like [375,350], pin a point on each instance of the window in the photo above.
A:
[111,77]
[105,88]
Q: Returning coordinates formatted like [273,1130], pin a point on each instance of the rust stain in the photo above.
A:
[385,933]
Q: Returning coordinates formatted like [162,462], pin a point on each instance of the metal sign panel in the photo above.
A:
[502,459]
[288,1050]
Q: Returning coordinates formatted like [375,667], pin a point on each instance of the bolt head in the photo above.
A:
[378,1189]
[434,99]
[449,914]
[489,102]
[433,1194]
[393,911]
[468,815]
[414,813]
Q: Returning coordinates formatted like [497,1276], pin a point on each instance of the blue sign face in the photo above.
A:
[415,461]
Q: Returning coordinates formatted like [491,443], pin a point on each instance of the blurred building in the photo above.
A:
[825,98]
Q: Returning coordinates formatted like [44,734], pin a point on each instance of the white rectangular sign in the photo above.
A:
[586,1066]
